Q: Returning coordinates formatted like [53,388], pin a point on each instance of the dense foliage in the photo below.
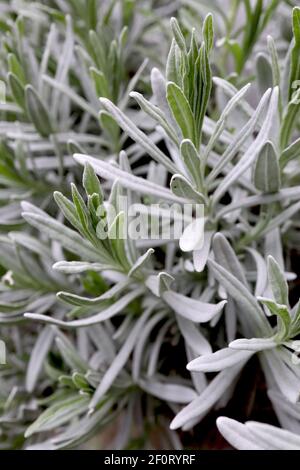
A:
[155,101]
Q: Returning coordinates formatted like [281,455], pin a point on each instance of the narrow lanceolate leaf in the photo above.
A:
[253,344]
[257,436]
[193,336]
[120,360]
[181,187]
[173,64]
[250,311]
[212,393]
[69,353]
[69,239]
[85,428]
[219,360]
[68,209]
[200,256]
[17,90]
[238,435]
[70,93]
[141,345]
[192,161]
[295,326]
[16,68]
[283,372]
[81,210]
[79,301]
[230,91]
[182,112]
[194,310]
[117,237]
[241,137]
[59,413]
[127,180]
[290,118]
[38,112]
[288,193]
[205,85]
[274,438]
[261,271]
[222,121]
[168,392]
[253,150]
[155,113]
[105,314]
[178,36]
[100,82]
[91,182]
[158,84]
[109,126]
[281,218]
[290,153]
[283,316]
[140,263]
[208,32]
[295,54]
[278,283]
[137,135]
[274,61]
[165,281]
[267,171]
[281,403]
[264,73]
[226,257]
[38,356]
[77,267]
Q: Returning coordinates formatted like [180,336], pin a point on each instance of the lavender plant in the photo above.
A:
[160,105]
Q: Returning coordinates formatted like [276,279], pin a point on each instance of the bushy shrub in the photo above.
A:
[151,104]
